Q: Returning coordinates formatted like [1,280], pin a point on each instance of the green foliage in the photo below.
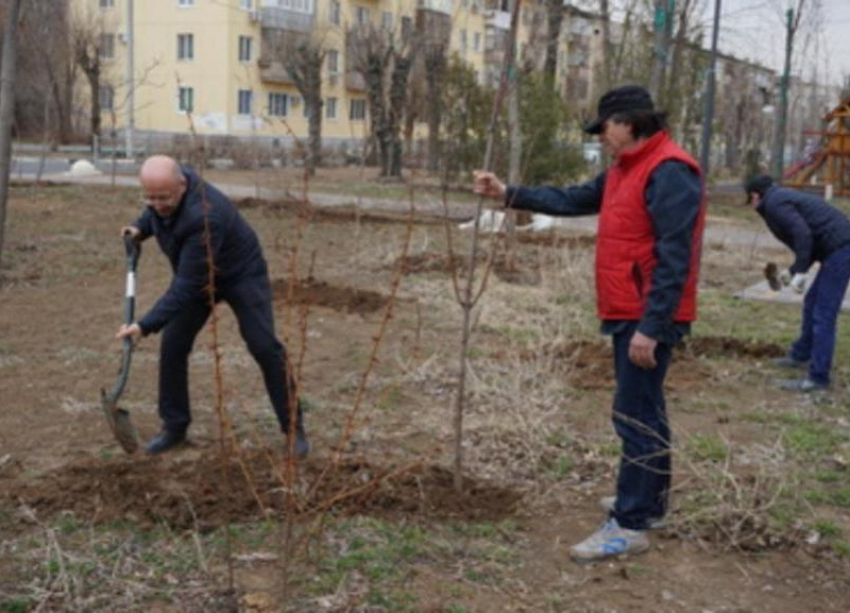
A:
[706,447]
[468,108]
[15,605]
[544,117]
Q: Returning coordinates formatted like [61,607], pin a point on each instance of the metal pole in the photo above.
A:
[708,119]
[130,84]
[779,137]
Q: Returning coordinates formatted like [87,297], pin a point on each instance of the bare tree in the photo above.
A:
[88,40]
[384,59]
[435,29]
[554,20]
[8,74]
[302,56]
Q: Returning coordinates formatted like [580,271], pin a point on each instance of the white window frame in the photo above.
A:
[185,93]
[335,12]
[185,3]
[242,96]
[107,46]
[332,108]
[362,15]
[246,49]
[277,100]
[107,4]
[185,47]
[476,41]
[332,61]
[387,21]
[106,97]
[360,104]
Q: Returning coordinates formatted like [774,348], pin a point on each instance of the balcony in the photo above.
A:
[285,19]
[500,20]
[274,72]
[438,6]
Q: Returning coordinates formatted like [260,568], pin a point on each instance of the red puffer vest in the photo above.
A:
[625,258]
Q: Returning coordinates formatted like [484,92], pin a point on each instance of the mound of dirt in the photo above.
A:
[198,494]
[519,270]
[311,291]
[728,347]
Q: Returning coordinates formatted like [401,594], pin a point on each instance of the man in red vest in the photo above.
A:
[651,216]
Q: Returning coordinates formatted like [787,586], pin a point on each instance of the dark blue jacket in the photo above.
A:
[673,195]
[236,251]
[809,226]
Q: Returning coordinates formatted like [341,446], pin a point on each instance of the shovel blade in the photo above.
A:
[120,424]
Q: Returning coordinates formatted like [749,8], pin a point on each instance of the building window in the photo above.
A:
[185,2]
[334,12]
[185,99]
[107,47]
[246,4]
[246,48]
[330,108]
[333,61]
[305,108]
[246,98]
[357,110]
[387,21]
[362,15]
[406,27]
[476,44]
[278,105]
[185,47]
[463,44]
[107,98]
[107,4]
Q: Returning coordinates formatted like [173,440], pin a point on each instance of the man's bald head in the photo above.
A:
[163,183]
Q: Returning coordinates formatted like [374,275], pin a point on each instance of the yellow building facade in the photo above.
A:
[210,61]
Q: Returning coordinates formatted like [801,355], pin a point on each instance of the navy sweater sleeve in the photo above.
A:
[191,277]
[584,199]
[673,197]
[145,223]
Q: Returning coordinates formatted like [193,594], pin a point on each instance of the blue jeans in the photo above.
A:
[251,301]
[820,315]
[640,420]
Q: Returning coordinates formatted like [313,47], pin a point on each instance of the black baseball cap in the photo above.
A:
[618,100]
[757,185]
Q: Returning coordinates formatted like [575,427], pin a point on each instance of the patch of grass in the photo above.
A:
[808,440]
[841,548]
[837,497]
[15,605]
[706,447]
[827,529]
[560,467]
[454,608]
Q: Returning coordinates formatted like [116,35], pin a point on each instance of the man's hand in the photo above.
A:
[133,331]
[132,231]
[488,185]
[642,351]
[798,282]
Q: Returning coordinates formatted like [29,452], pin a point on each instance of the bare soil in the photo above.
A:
[60,306]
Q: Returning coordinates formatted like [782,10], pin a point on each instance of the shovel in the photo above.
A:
[117,418]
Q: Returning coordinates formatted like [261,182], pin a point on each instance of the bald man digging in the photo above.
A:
[174,214]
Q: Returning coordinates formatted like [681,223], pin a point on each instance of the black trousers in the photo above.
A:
[251,301]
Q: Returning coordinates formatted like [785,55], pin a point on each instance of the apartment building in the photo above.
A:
[217,62]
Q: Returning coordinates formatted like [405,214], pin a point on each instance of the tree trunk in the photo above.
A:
[555,17]
[7,106]
[398,97]
[435,69]
[607,72]
[314,157]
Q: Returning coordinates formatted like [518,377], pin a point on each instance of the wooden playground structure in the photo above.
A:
[828,167]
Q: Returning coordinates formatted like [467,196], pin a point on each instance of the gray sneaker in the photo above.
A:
[786,361]
[608,541]
[804,385]
[653,523]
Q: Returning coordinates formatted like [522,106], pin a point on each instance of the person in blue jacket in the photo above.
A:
[815,232]
[180,206]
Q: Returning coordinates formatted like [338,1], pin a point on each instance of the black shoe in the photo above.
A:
[302,445]
[786,361]
[165,440]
